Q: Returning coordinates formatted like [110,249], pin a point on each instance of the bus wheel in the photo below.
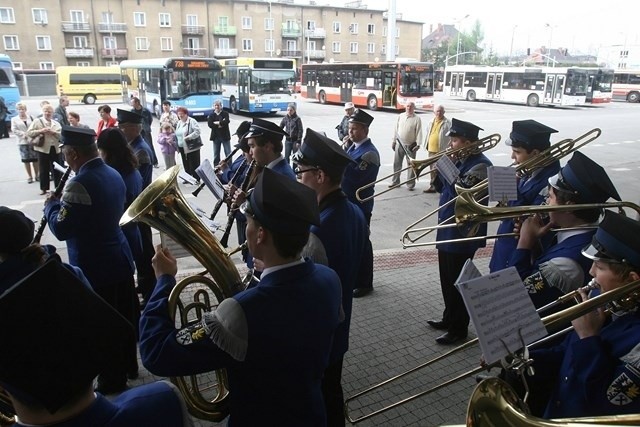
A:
[372,102]
[89,99]
[633,97]
[322,97]
[471,95]
[233,105]
[533,101]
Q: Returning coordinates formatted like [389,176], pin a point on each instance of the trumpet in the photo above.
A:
[552,154]
[418,166]
[626,296]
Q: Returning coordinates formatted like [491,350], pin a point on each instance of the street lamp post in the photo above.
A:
[458,44]
[513,32]
[550,27]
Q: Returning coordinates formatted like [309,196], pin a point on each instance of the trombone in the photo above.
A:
[418,166]
[554,153]
[625,296]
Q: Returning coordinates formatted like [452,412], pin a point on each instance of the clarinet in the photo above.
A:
[57,192]
[235,176]
[232,210]
[226,159]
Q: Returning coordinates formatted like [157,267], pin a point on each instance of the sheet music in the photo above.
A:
[447,169]
[186,177]
[503,185]
[469,271]
[208,175]
[502,313]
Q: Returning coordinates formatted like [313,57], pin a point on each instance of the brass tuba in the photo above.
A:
[162,206]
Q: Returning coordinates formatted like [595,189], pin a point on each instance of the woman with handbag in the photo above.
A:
[189,141]
[44,133]
[19,126]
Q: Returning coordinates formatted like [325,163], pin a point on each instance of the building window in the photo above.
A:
[166,43]
[6,15]
[371,48]
[139,19]
[353,47]
[165,19]
[246,22]
[268,24]
[43,42]
[383,49]
[142,43]
[337,27]
[311,25]
[247,45]
[371,29]
[335,47]
[83,64]
[384,31]
[192,20]
[353,28]
[109,42]
[11,43]
[77,16]
[39,16]
[17,65]
[112,64]
[268,45]
[397,32]
[80,42]
[224,44]
[46,65]
[223,21]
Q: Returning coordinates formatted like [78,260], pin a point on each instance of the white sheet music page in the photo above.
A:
[503,185]
[447,169]
[502,313]
[469,271]
[208,175]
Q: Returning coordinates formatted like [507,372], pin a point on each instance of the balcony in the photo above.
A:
[79,52]
[225,53]
[315,54]
[292,53]
[114,53]
[199,52]
[113,27]
[75,27]
[224,30]
[318,33]
[197,30]
[289,30]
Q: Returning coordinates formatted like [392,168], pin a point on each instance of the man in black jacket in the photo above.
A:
[218,121]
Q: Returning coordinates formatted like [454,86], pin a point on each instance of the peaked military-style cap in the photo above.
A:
[242,131]
[530,135]
[616,240]
[260,127]
[282,205]
[125,116]
[243,128]
[585,179]
[321,151]
[67,338]
[16,230]
[361,116]
[464,129]
[77,137]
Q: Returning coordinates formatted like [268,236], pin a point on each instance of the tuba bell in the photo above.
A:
[162,206]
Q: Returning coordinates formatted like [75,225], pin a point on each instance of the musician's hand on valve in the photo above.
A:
[590,324]
[531,230]
[238,197]
[163,262]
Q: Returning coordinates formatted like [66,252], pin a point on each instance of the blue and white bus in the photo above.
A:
[258,85]
[8,87]
[193,83]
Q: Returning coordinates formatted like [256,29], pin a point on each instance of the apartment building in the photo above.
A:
[44,34]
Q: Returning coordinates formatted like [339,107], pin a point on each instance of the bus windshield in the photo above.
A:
[271,81]
[414,83]
[577,82]
[7,78]
[603,82]
[185,82]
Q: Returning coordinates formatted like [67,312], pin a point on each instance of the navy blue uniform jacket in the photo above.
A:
[145,159]
[363,172]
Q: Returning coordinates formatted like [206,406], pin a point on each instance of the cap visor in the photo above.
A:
[553,181]
[594,254]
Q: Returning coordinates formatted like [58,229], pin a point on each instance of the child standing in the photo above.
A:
[168,145]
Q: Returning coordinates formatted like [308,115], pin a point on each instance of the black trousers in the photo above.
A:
[365,278]
[190,162]
[333,394]
[45,164]
[144,268]
[455,313]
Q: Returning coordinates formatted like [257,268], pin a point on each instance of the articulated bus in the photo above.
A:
[87,84]
[193,83]
[599,89]
[532,86]
[258,85]
[389,85]
[626,85]
[8,87]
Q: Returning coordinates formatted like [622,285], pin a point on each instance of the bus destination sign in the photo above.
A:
[192,64]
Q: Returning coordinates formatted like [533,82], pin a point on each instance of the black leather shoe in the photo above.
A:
[450,338]
[360,292]
[438,324]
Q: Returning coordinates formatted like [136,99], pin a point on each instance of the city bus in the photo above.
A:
[532,86]
[258,85]
[87,84]
[599,88]
[193,83]
[626,85]
[8,87]
[389,85]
